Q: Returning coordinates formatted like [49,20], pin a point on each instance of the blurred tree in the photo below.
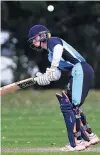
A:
[77,22]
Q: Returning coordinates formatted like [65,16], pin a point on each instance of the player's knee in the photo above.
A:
[75,102]
[65,104]
[65,108]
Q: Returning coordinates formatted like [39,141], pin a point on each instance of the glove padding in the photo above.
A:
[39,74]
[42,80]
[53,74]
[50,75]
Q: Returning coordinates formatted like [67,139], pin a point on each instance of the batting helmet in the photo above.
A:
[36,30]
[39,30]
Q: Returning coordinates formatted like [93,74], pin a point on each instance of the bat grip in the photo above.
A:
[26,83]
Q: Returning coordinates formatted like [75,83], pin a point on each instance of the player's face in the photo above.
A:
[44,45]
[36,41]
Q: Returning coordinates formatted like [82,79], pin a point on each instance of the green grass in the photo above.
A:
[55,153]
[33,119]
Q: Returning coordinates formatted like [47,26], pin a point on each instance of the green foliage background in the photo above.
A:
[77,22]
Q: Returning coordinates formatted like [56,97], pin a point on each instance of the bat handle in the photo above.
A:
[26,83]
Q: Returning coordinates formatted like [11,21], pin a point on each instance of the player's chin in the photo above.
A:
[39,49]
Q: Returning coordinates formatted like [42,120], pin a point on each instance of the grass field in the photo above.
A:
[57,153]
[33,119]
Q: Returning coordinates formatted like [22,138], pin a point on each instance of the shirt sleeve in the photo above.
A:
[57,54]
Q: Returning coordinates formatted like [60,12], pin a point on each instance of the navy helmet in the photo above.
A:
[36,30]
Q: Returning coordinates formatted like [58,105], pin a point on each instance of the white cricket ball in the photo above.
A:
[50,8]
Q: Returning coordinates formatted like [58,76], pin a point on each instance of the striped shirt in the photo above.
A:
[62,55]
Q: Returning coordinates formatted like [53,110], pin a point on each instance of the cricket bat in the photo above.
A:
[16,86]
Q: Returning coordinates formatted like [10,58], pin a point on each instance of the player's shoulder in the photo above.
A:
[53,41]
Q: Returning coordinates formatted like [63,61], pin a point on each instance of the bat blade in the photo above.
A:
[16,86]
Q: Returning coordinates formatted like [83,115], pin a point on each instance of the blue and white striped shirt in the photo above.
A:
[62,55]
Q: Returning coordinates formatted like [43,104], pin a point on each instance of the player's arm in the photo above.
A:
[57,54]
[52,73]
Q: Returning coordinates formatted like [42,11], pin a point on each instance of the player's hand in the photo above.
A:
[53,74]
[42,80]
[39,74]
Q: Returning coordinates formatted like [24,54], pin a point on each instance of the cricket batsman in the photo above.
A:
[63,57]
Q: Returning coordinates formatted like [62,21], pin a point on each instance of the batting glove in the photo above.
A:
[53,74]
[42,80]
[50,75]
